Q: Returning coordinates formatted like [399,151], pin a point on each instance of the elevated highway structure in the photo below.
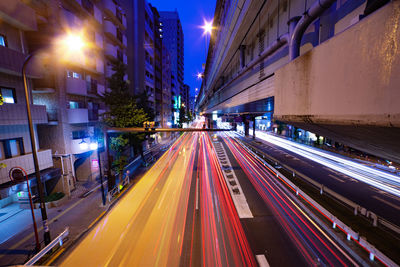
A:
[330,67]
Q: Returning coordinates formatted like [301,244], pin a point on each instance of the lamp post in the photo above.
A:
[103,196]
[46,229]
[71,43]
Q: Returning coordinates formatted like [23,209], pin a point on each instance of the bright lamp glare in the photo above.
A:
[83,146]
[199,75]
[74,42]
[207,27]
[93,146]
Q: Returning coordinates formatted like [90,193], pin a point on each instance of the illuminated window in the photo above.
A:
[11,148]
[73,105]
[3,40]
[73,74]
[8,95]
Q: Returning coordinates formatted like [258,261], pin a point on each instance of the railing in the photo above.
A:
[117,188]
[57,240]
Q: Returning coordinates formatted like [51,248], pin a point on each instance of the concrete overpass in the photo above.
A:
[332,70]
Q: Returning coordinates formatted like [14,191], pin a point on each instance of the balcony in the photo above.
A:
[91,87]
[100,89]
[76,86]
[111,51]
[15,114]
[110,30]
[11,62]
[99,66]
[78,115]
[18,14]
[99,40]
[124,41]
[109,72]
[93,114]
[110,9]
[26,162]
[52,116]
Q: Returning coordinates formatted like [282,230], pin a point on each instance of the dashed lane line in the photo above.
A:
[262,260]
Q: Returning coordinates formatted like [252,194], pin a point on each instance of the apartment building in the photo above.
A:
[148,62]
[173,40]
[15,142]
[167,101]
[141,49]
[70,91]
[185,96]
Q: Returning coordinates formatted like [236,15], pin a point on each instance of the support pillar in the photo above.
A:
[209,121]
[246,125]
[254,127]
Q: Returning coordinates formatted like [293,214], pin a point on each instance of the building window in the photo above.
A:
[79,135]
[2,154]
[73,74]
[73,105]
[3,40]
[8,95]
[11,148]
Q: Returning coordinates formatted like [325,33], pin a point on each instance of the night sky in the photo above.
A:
[192,14]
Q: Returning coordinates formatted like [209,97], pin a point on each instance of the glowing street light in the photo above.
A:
[207,27]
[70,45]
[199,75]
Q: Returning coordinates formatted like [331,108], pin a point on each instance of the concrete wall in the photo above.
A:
[347,88]
[352,78]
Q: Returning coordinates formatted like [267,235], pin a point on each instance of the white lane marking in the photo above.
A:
[262,260]
[241,205]
[387,202]
[334,177]
[197,193]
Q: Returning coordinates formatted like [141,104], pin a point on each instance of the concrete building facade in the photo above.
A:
[173,41]
[15,141]
[67,87]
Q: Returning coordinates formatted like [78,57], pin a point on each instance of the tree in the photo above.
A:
[122,111]
[182,116]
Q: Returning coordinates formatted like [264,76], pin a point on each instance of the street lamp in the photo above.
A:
[207,27]
[70,44]
[199,75]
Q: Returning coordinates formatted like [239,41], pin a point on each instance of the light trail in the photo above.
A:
[226,244]
[379,179]
[315,246]
[155,222]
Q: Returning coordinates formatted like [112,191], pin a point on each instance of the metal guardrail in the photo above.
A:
[57,240]
[351,234]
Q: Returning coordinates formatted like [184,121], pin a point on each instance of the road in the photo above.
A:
[206,202]
[148,225]
[359,183]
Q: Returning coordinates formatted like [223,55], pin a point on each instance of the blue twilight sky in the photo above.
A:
[192,14]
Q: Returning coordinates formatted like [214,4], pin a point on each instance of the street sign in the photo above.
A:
[16,175]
